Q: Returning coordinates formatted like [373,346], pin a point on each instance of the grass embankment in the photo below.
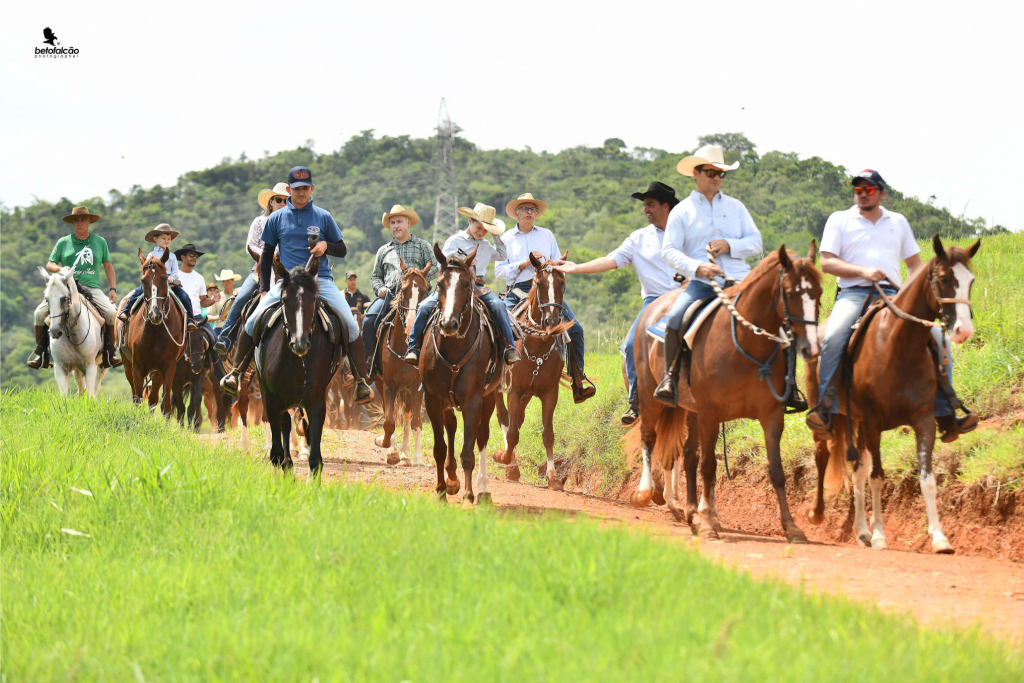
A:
[134,551]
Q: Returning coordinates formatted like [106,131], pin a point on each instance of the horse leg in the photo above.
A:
[80,380]
[168,385]
[924,430]
[60,374]
[817,515]
[505,455]
[773,427]
[451,424]
[406,416]
[437,424]
[92,380]
[547,404]
[417,427]
[156,381]
[483,435]
[243,412]
[860,477]
[196,404]
[516,415]
[470,427]
[138,382]
[672,479]
[691,458]
[641,498]
[384,440]
[709,524]
[277,450]
[874,442]
[315,418]
[286,435]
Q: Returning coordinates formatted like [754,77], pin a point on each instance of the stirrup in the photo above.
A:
[512,356]
[221,349]
[229,383]
[580,391]
[667,391]
[366,395]
[413,357]
[819,421]
[35,361]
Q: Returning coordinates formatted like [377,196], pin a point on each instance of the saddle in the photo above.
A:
[694,317]
[123,341]
[488,327]
[329,318]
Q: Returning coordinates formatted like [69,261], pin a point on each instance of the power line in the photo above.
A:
[446,207]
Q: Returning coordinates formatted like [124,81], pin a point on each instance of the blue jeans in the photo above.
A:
[184,298]
[522,290]
[327,291]
[370,318]
[626,348]
[498,312]
[695,291]
[848,306]
[228,331]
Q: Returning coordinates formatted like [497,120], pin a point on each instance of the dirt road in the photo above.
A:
[938,590]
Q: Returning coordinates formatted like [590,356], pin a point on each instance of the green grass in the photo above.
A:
[202,564]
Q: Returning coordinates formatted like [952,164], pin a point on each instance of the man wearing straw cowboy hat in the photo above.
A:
[642,249]
[387,268]
[481,222]
[525,239]
[270,201]
[82,251]
[706,217]
[289,230]
[219,311]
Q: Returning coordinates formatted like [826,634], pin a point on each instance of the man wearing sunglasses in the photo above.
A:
[706,217]
[861,246]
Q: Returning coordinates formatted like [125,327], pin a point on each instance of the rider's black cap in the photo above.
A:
[869,176]
[300,177]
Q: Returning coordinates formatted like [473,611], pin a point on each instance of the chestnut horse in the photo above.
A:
[398,382]
[457,351]
[156,335]
[894,377]
[540,372]
[783,291]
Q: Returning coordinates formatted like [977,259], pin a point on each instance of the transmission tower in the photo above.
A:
[446,208]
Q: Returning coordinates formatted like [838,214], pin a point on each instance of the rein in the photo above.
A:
[68,326]
[470,352]
[164,310]
[940,301]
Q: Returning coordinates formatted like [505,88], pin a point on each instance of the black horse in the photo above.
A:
[296,357]
[188,378]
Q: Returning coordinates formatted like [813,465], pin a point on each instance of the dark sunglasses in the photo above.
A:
[869,190]
[713,172]
[279,200]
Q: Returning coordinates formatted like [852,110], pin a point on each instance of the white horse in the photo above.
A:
[77,336]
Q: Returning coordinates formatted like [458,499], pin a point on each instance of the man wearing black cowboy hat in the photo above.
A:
[191,281]
[642,249]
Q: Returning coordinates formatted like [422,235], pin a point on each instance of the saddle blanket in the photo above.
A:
[659,329]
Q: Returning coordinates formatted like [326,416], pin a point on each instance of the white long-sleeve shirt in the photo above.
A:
[171,265]
[695,222]
[485,251]
[518,246]
[642,249]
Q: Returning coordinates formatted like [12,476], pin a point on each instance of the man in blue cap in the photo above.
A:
[290,229]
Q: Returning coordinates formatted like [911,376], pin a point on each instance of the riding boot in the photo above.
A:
[243,352]
[952,426]
[580,391]
[110,357]
[819,420]
[512,355]
[357,359]
[668,390]
[38,357]
[630,416]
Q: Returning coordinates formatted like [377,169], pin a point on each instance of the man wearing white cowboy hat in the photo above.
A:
[83,251]
[219,311]
[706,217]
[387,268]
[525,239]
[270,201]
[481,222]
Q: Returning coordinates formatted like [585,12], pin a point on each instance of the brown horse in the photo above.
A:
[539,376]
[399,382]
[783,291]
[457,351]
[156,336]
[894,377]
[189,377]
[342,410]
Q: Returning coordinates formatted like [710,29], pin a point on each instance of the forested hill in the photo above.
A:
[587,190]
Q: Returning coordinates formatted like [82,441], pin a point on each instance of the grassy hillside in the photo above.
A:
[134,551]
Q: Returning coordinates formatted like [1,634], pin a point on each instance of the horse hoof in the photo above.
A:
[442,494]
[657,498]
[452,486]
[512,472]
[484,499]
[382,441]
[392,458]
[676,515]
[502,457]
[467,501]
[942,546]
[555,484]
[864,540]
[815,517]
[879,543]
[708,533]
[640,499]
[794,535]
[405,462]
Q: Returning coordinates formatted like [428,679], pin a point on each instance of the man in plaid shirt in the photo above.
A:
[387,268]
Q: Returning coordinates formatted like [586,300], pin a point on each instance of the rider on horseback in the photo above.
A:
[162,235]
[642,249]
[481,221]
[290,229]
[83,251]
[861,246]
[525,239]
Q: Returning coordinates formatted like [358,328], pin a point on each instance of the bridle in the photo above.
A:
[535,329]
[939,300]
[164,309]
[68,326]
[470,307]
[402,311]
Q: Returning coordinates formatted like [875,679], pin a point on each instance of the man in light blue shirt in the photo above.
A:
[706,217]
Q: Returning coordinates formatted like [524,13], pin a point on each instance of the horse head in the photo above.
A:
[298,302]
[547,292]
[155,286]
[455,289]
[412,290]
[61,297]
[951,279]
[197,346]
[799,297]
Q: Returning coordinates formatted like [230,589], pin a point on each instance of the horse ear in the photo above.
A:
[974,248]
[167,255]
[45,273]
[812,253]
[401,262]
[565,256]
[471,259]
[313,267]
[439,255]
[279,269]
[940,251]
[535,261]
[142,259]
[784,258]
[426,271]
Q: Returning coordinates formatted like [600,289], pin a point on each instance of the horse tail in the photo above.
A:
[835,471]
[671,430]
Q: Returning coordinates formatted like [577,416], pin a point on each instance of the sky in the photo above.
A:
[929,94]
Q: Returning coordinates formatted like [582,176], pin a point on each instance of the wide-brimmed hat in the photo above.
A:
[227,274]
[264,197]
[660,191]
[525,198]
[161,229]
[186,249]
[399,210]
[79,212]
[486,215]
[708,155]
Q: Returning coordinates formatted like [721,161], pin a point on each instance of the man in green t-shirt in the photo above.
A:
[86,252]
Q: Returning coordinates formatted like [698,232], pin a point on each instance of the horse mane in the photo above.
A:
[55,277]
[771,262]
[301,277]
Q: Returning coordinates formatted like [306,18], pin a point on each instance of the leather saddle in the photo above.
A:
[693,318]
[326,314]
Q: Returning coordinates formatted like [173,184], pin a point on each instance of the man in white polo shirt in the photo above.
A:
[642,250]
[860,246]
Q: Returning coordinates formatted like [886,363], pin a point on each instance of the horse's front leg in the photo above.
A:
[710,527]
[773,426]
[451,425]
[547,403]
[924,430]
[384,440]
[691,458]
[168,384]
[277,450]
[437,424]
[821,450]
[470,427]
[286,437]
[417,427]
[195,404]
[483,435]
[92,382]
[60,374]
[315,418]
[80,381]
[404,458]
[873,439]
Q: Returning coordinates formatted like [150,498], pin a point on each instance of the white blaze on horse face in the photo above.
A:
[449,300]
[963,328]
[808,302]
[410,314]
[551,290]
[152,294]
[298,315]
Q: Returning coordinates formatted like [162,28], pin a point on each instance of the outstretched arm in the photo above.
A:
[598,265]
